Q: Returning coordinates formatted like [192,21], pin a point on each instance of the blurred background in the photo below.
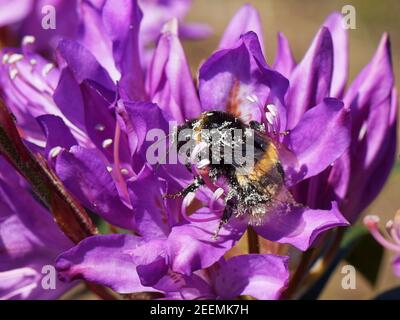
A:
[299,21]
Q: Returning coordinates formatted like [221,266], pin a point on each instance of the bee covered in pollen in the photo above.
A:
[222,147]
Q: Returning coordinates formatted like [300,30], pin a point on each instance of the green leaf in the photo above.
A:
[353,235]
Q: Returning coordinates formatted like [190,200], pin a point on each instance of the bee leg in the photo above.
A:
[197,183]
[228,212]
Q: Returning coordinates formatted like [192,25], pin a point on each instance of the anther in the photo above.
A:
[54,152]
[28,40]
[99,127]
[106,143]
[272,109]
[13,73]
[15,57]
[5,58]
[47,68]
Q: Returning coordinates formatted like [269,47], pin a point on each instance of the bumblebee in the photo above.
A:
[254,185]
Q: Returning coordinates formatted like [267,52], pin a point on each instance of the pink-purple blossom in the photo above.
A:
[88,112]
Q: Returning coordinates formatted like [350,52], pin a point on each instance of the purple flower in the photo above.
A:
[238,80]
[183,244]
[392,242]
[29,242]
[106,259]
[90,115]
[27,17]
[357,177]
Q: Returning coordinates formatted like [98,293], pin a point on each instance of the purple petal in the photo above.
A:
[194,287]
[150,209]
[105,260]
[86,176]
[192,247]
[245,20]
[82,63]
[321,137]
[262,276]
[284,61]
[14,11]
[300,226]
[373,104]
[151,260]
[121,19]
[93,36]
[340,53]
[139,118]
[29,240]
[169,81]
[57,133]
[310,81]
[229,77]
[25,283]
[28,81]
[46,39]
[100,121]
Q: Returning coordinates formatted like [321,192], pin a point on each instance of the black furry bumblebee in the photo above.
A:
[253,185]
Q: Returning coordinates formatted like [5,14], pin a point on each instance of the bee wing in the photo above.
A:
[281,204]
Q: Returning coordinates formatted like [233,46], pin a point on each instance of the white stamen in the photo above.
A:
[273,109]
[270,118]
[28,40]
[371,220]
[15,57]
[54,152]
[106,143]
[363,131]
[47,68]
[252,98]
[109,168]
[389,224]
[5,58]
[124,171]
[99,127]
[171,27]
[13,73]
[33,62]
